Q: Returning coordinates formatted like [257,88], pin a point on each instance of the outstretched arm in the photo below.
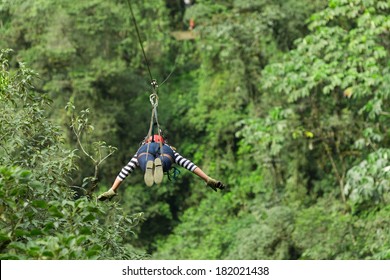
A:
[186,163]
[212,183]
[116,184]
[201,174]
[126,170]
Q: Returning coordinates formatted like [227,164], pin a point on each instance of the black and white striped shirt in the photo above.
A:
[133,164]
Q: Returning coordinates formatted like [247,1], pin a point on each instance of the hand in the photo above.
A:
[107,195]
[214,184]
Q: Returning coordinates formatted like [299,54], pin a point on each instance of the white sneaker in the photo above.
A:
[148,177]
[158,171]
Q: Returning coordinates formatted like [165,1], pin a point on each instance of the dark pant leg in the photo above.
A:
[145,154]
[166,157]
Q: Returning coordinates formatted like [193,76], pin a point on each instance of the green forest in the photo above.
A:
[287,102]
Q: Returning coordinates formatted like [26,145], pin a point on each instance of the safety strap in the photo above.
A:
[175,173]
[153,98]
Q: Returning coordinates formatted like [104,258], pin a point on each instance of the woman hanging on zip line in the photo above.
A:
[155,157]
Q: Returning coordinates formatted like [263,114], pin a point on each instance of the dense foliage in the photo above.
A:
[286,102]
[40,217]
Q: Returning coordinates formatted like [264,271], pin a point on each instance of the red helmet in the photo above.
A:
[156,138]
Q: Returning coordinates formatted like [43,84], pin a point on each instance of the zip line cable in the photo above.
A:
[169,75]
[153,98]
[167,78]
[153,81]
[140,42]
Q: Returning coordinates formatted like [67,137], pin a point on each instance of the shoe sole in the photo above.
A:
[158,171]
[148,177]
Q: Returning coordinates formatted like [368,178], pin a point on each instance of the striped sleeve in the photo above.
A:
[126,170]
[186,163]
